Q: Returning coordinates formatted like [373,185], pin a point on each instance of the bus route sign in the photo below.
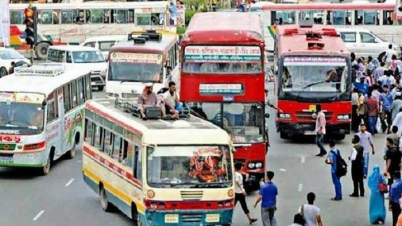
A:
[222,53]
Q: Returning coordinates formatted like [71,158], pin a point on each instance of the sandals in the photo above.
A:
[336,199]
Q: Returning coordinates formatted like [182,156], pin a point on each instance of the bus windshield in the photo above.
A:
[314,74]
[135,67]
[189,167]
[243,121]
[25,117]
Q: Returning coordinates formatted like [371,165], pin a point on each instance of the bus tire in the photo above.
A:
[72,152]
[101,88]
[283,135]
[135,216]
[3,72]
[41,50]
[105,204]
[45,170]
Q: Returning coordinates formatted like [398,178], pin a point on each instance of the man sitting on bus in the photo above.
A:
[149,99]
[171,99]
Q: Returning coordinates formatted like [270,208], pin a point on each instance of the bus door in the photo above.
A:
[60,122]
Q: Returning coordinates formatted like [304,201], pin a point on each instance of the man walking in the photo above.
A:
[240,193]
[320,130]
[386,100]
[267,194]
[394,196]
[392,160]
[332,160]
[310,212]
[356,156]
[366,141]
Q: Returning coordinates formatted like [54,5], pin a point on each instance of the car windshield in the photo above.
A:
[25,117]
[314,74]
[88,57]
[189,167]
[243,121]
[134,67]
[10,54]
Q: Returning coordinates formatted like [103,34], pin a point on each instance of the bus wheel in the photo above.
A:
[135,216]
[105,204]
[3,72]
[46,168]
[41,50]
[71,154]
[100,88]
[283,135]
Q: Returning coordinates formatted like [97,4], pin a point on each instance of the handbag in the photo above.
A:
[383,188]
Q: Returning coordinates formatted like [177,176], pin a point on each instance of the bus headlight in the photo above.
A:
[258,165]
[251,165]
[286,116]
[343,117]
[150,194]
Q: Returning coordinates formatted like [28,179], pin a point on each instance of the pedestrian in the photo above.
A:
[394,136]
[310,212]
[377,211]
[399,223]
[298,220]
[373,110]
[394,195]
[398,122]
[396,105]
[389,53]
[11,70]
[386,100]
[356,156]
[332,160]
[355,119]
[366,141]
[392,160]
[320,130]
[240,193]
[267,195]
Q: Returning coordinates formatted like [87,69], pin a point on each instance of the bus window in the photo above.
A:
[338,17]
[68,16]
[129,156]
[116,148]
[98,137]
[107,143]
[81,91]
[67,97]
[387,18]
[74,95]
[121,16]
[317,17]
[88,93]
[139,163]
[96,16]
[45,16]
[370,18]
[106,16]
[89,132]
[283,17]
[51,108]
[130,18]
[144,19]
[16,17]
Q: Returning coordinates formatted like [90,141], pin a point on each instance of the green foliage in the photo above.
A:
[188,15]
[195,4]
[181,30]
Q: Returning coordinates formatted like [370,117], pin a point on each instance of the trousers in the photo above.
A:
[268,216]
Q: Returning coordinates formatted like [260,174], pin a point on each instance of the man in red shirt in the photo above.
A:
[373,110]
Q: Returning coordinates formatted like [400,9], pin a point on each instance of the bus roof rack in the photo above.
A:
[153,36]
[49,70]
[131,106]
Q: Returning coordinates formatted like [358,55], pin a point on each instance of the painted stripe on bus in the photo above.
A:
[272,31]
[124,174]
[111,117]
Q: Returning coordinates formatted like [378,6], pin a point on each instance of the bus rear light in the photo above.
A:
[291,31]
[150,194]
[226,203]
[35,146]
[329,32]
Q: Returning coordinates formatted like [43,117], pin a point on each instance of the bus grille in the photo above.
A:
[305,115]
[7,147]
[191,218]
[191,194]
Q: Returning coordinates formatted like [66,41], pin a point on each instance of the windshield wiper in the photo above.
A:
[307,86]
[214,185]
[12,124]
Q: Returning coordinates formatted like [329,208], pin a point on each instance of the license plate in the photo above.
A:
[6,160]
[172,218]
[310,133]
[212,218]
[93,83]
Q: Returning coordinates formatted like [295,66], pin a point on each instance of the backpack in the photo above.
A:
[341,166]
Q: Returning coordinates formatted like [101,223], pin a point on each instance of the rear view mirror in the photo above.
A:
[377,40]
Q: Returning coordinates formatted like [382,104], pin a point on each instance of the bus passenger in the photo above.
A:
[149,99]
[37,120]
[171,99]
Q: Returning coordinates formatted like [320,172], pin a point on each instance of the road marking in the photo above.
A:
[281,169]
[69,182]
[38,215]
[303,159]
[300,187]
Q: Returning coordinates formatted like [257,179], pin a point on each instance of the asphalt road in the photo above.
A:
[63,199]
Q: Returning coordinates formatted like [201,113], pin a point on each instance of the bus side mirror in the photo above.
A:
[44,103]
[267,115]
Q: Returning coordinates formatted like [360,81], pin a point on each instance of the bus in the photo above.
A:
[313,68]
[72,23]
[223,81]
[143,58]
[376,17]
[42,115]
[158,172]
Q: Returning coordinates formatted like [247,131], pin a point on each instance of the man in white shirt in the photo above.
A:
[389,53]
[240,193]
[171,99]
[398,121]
[320,124]
[310,212]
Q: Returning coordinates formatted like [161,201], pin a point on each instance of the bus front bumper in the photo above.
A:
[33,159]
[189,217]
[298,129]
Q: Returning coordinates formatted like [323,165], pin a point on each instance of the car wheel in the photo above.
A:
[41,50]
[3,72]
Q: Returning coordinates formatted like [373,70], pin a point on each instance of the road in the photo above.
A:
[62,198]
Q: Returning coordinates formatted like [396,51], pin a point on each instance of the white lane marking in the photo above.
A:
[69,182]
[281,169]
[303,159]
[38,215]
[300,187]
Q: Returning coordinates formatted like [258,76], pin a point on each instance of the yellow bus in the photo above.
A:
[158,172]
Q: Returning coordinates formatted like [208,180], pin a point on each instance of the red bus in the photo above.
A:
[313,68]
[223,81]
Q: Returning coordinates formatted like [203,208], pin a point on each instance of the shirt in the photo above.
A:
[395,157]
[239,180]
[355,97]
[395,138]
[396,105]
[398,122]
[171,99]
[389,54]
[386,99]
[147,100]
[396,191]
[366,140]
[333,159]
[268,191]
[378,73]
[372,107]
[310,213]
[320,123]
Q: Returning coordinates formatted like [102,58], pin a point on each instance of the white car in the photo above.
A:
[9,55]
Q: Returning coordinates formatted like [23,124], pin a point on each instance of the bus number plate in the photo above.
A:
[211,218]
[310,133]
[172,218]
[6,160]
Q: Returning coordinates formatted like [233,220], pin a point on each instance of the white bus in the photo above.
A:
[41,115]
[140,60]
[158,172]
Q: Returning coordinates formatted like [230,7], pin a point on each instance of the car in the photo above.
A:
[103,43]
[9,55]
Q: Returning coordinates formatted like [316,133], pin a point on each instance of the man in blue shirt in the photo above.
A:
[386,100]
[332,160]
[267,194]
[394,196]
